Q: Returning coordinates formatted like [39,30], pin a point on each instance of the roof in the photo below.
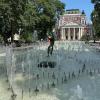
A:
[73,11]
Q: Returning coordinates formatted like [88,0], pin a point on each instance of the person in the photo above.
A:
[51,40]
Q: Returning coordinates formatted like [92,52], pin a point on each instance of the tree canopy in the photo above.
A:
[30,15]
[95,16]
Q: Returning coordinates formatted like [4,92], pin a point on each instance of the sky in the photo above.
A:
[85,5]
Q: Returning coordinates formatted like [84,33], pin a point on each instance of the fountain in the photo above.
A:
[29,71]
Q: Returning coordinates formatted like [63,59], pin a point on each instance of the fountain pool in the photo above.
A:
[76,75]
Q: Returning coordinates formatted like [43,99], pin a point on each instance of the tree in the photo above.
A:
[30,15]
[95,16]
[4,19]
[48,11]
[10,12]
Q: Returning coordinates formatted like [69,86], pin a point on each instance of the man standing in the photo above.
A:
[51,40]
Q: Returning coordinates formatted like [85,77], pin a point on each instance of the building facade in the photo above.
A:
[72,25]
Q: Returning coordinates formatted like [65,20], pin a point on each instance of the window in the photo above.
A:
[83,22]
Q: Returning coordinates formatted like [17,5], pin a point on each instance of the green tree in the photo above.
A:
[10,12]
[30,15]
[95,17]
[48,11]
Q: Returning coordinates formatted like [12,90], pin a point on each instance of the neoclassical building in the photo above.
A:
[72,25]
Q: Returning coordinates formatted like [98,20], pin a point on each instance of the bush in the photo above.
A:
[85,38]
[26,37]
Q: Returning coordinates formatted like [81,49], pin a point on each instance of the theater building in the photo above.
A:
[72,25]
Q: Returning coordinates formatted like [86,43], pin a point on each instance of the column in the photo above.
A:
[63,37]
[79,34]
[74,34]
[68,33]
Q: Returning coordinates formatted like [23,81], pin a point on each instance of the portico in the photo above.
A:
[72,33]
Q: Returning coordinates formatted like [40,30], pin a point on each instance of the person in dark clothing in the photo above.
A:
[50,48]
